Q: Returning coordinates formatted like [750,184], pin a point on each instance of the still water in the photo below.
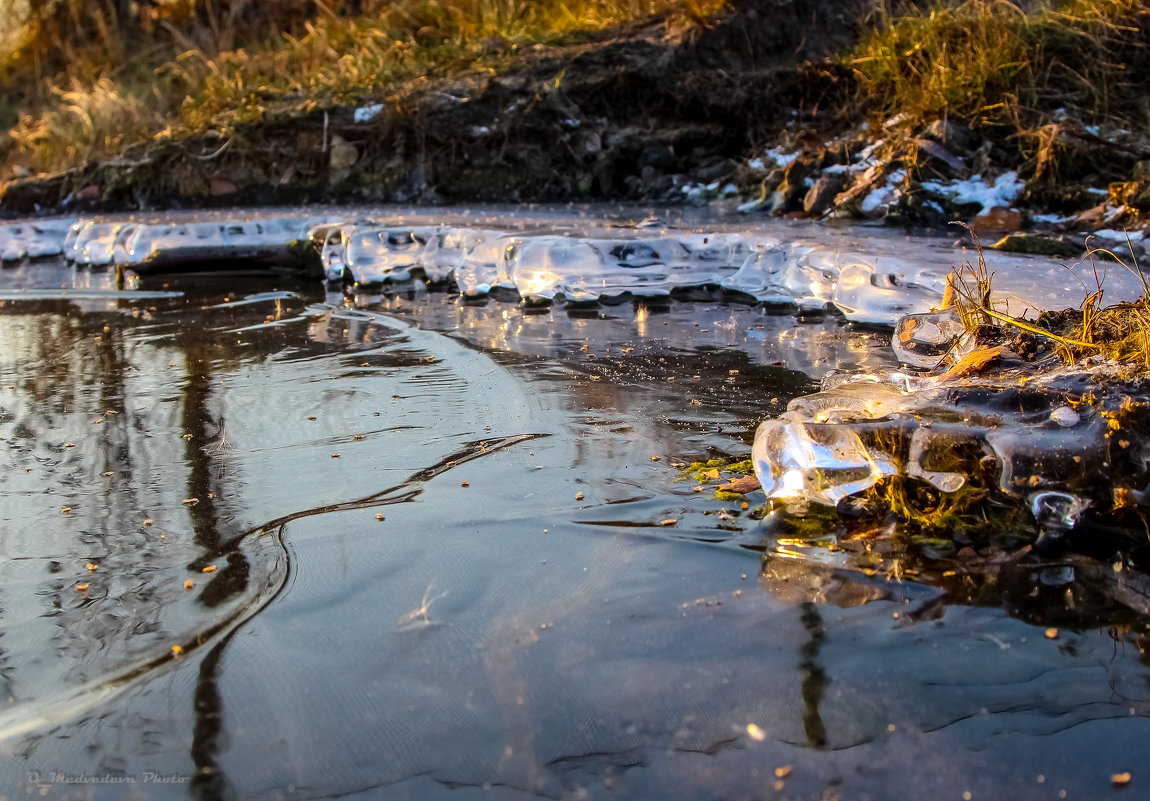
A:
[264,542]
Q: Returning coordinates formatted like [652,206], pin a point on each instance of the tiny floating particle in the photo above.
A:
[147,521]
[1120,779]
[755,733]
[209,569]
[578,496]
[177,650]
[69,444]
[91,566]
[357,438]
[310,417]
[190,501]
[189,584]
[187,436]
[335,456]
[670,521]
[378,516]
[81,588]
[783,772]
[464,484]
[27,469]
[109,473]
[65,510]
[1052,634]
[654,458]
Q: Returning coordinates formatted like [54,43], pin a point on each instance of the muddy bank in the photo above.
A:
[752,111]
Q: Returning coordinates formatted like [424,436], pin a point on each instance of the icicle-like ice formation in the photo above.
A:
[866,277]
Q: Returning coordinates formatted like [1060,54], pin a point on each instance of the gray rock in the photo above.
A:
[821,196]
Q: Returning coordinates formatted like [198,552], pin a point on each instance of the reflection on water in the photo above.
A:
[276,544]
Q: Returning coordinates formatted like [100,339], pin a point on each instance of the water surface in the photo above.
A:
[266,542]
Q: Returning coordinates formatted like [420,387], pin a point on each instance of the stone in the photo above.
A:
[997,220]
[821,196]
[1037,245]
[221,186]
[953,135]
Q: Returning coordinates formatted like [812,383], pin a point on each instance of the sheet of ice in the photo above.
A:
[32,240]
[866,276]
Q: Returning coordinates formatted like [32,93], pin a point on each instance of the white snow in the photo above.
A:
[1003,192]
[368,113]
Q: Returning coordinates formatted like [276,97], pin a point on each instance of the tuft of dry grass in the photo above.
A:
[999,62]
[1029,70]
[1120,332]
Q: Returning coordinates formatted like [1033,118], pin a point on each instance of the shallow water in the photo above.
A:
[452,555]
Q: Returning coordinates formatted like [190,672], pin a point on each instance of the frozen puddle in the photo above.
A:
[871,277]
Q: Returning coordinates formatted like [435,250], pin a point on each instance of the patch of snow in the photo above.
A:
[1094,190]
[1112,233]
[781,158]
[368,113]
[728,190]
[572,122]
[757,165]
[1055,219]
[479,130]
[1003,192]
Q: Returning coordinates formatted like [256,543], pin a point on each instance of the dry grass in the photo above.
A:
[86,84]
[1030,70]
[1120,332]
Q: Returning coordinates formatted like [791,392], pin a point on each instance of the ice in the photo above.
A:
[872,278]
[818,462]
[32,240]
[926,340]
[877,289]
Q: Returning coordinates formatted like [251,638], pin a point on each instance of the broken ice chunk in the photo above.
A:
[925,340]
[816,462]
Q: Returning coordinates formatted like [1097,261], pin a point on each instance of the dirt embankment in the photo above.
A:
[634,114]
[661,112]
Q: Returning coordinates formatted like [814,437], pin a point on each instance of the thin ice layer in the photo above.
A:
[867,277]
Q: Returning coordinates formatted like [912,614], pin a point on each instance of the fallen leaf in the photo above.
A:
[81,588]
[190,501]
[189,584]
[209,569]
[976,360]
[713,474]
[740,485]
[670,521]
[1120,779]
[1052,634]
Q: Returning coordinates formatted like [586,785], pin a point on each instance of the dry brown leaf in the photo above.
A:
[975,361]
[740,485]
